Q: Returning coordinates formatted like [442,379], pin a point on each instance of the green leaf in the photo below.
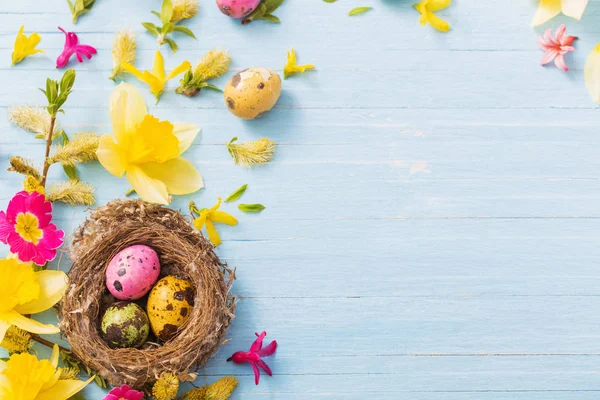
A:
[166,12]
[272,5]
[172,44]
[167,28]
[70,6]
[237,194]
[67,81]
[359,10]
[150,27]
[156,13]
[209,86]
[185,30]
[251,208]
[271,18]
[329,1]
[71,172]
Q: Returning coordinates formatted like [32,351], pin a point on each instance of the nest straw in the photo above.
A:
[183,252]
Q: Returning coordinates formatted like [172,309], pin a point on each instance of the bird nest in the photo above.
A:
[183,252]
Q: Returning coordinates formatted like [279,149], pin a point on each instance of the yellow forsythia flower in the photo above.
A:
[24,291]
[23,376]
[209,216]
[184,9]
[147,151]
[291,68]
[156,79]
[548,9]
[165,388]
[16,340]
[427,8]
[123,51]
[25,46]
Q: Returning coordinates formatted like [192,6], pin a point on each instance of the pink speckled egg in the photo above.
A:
[237,8]
[132,272]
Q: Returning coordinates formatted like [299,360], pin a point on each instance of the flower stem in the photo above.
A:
[48,145]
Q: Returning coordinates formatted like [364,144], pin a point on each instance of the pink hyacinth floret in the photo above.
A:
[254,355]
[124,393]
[26,228]
[72,46]
[556,47]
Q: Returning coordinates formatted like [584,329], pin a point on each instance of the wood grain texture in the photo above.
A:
[432,220]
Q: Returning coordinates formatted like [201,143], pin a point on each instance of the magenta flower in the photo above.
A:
[254,355]
[556,48]
[124,393]
[72,46]
[26,228]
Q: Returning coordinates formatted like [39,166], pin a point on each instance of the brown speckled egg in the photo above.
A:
[252,92]
[125,325]
[169,305]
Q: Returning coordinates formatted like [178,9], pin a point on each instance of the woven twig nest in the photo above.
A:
[183,252]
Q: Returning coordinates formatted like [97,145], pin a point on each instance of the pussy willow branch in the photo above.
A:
[48,145]
[50,344]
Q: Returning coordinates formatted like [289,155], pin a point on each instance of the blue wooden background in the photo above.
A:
[431,230]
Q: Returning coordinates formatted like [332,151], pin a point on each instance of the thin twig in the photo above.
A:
[48,145]
[50,344]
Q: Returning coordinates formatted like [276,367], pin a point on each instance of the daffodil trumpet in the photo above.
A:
[148,151]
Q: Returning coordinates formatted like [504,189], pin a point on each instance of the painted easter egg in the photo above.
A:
[132,272]
[169,305]
[125,324]
[252,92]
[237,8]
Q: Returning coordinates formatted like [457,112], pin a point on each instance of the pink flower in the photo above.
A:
[26,228]
[72,46]
[556,48]
[124,393]
[254,355]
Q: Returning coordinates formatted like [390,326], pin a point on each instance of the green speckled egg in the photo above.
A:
[170,304]
[125,324]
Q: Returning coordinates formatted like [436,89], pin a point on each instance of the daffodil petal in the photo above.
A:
[52,286]
[127,109]
[437,22]
[63,389]
[574,8]
[2,365]
[592,74]
[212,233]
[184,66]
[3,328]
[223,218]
[52,380]
[147,188]
[111,156]
[28,324]
[54,356]
[179,175]
[436,5]
[158,69]
[186,133]
[547,9]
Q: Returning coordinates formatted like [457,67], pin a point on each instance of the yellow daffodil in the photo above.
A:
[548,9]
[209,216]
[23,291]
[147,151]
[156,79]
[291,68]
[25,46]
[24,377]
[427,8]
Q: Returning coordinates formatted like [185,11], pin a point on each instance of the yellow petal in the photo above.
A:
[127,109]
[547,9]
[179,175]
[436,5]
[213,235]
[52,286]
[158,70]
[111,156]
[3,328]
[28,324]
[186,133]
[592,74]
[437,22]
[574,8]
[63,389]
[198,222]
[148,189]
[52,380]
[216,206]
[54,356]
[223,218]
[184,66]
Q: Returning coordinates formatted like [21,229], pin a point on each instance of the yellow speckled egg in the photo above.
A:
[252,92]
[169,305]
